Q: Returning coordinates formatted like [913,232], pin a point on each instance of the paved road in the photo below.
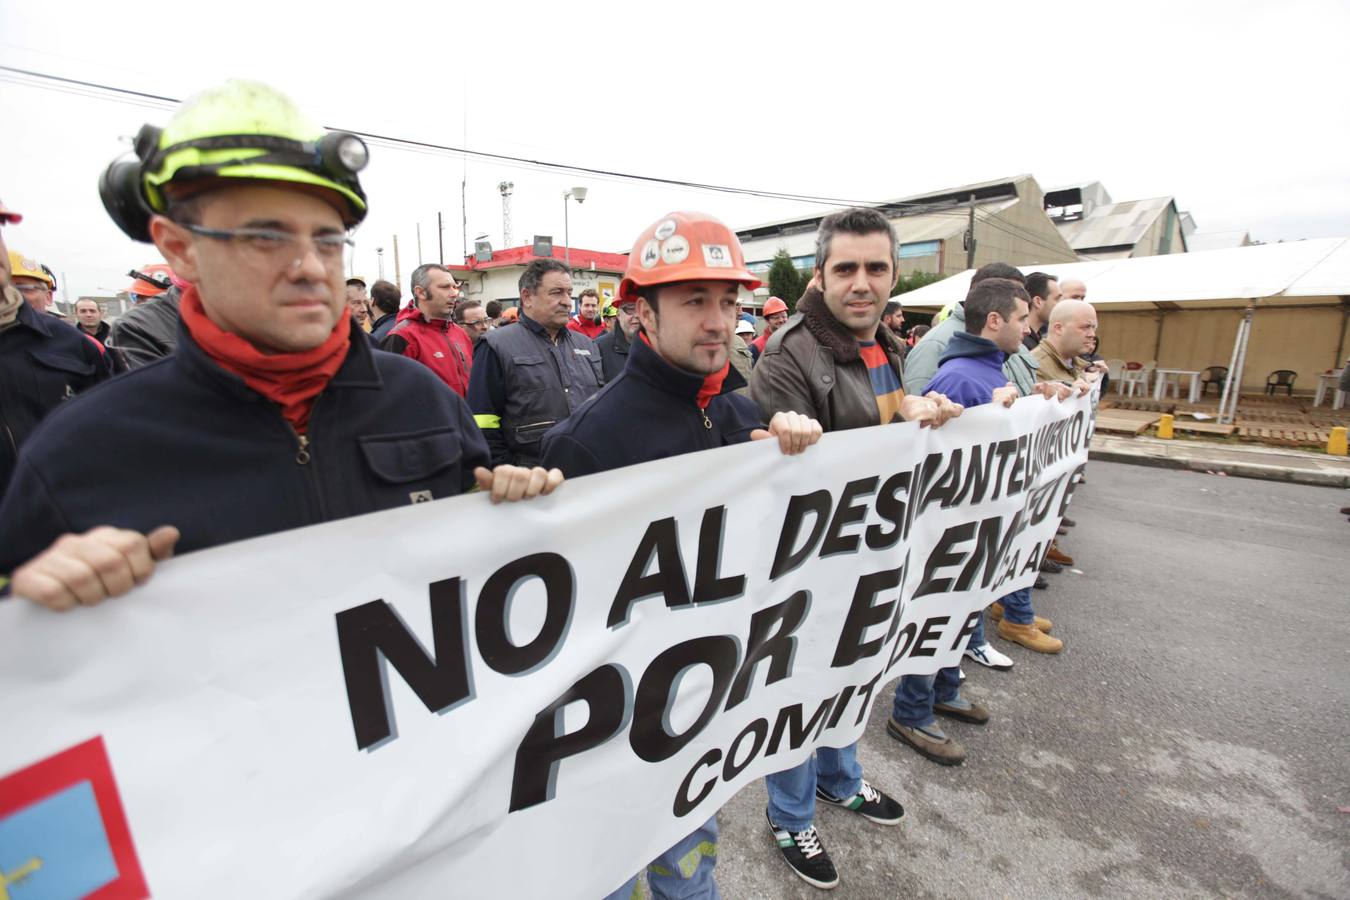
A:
[1192,740]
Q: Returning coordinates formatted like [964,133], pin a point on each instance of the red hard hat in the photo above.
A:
[9,216]
[775,305]
[685,246]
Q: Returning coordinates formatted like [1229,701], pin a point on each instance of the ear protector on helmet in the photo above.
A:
[338,156]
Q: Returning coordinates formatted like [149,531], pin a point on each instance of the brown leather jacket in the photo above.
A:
[812,366]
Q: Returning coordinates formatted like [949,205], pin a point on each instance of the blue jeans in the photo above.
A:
[792,794]
[1017,607]
[916,694]
[684,872]
[977,638]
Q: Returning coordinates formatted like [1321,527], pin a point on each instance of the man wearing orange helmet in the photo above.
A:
[676,395]
[149,330]
[835,363]
[776,315]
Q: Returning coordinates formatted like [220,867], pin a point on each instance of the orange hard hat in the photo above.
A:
[773,306]
[685,246]
[510,314]
[157,279]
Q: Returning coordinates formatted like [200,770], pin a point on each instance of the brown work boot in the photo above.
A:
[930,741]
[1054,554]
[996,613]
[1029,636]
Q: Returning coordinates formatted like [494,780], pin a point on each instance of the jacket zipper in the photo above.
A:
[304,454]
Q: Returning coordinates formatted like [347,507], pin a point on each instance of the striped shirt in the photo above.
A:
[885,383]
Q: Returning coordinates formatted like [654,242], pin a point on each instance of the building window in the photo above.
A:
[920,248]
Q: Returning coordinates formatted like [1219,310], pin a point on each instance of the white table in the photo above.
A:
[1327,381]
[1163,376]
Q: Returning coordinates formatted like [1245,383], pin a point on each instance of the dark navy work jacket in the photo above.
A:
[196,448]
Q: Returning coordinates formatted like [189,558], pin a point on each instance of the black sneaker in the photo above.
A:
[806,855]
[1041,583]
[1049,565]
[1067,522]
[869,803]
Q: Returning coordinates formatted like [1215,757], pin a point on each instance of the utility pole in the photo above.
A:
[970,236]
[464,214]
[419,243]
[506,187]
[440,238]
[398,276]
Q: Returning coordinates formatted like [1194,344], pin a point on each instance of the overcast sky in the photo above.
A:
[1237,109]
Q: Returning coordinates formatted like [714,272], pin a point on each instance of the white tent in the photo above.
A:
[1315,272]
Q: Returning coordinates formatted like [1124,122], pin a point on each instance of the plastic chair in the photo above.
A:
[1215,375]
[1133,376]
[1114,367]
[1281,378]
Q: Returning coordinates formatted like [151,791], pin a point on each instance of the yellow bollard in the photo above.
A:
[1165,427]
[1336,443]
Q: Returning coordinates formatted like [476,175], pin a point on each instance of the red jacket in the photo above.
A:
[591,331]
[439,344]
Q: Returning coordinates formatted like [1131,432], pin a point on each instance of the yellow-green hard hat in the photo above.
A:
[244,129]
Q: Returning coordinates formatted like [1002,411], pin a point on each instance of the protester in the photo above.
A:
[471,316]
[425,333]
[32,280]
[274,413]
[43,362]
[89,316]
[609,315]
[1045,294]
[677,395]
[89,319]
[149,330]
[742,359]
[494,313]
[1069,327]
[775,317]
[359,303]
[614,345]
[384,300]
[971,374]
[510,316]
[530,377]
[1072,289]
[893,317]
[916,334]
[1092,360]
[833,363]
[587,320]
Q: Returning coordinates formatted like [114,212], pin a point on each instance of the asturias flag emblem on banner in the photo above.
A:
[63,833]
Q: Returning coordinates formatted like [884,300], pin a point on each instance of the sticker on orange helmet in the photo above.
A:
[717,255]
[665,229]
[675,250]
[651,254]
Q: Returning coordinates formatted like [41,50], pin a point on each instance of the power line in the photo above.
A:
[143,99]
[424,146]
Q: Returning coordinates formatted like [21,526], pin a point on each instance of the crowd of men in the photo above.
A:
[264,390]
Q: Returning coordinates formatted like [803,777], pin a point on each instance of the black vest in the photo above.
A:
[545,382]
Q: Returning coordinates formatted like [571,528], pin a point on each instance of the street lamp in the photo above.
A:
[379,256]
[579,193]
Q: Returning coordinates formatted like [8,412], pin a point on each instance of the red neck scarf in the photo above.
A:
[291,380]
[712,384]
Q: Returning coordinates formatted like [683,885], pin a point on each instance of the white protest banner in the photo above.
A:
[525,700]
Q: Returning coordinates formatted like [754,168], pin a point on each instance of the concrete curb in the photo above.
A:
[1317,477]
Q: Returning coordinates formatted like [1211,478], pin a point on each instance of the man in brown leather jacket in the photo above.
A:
[833,363]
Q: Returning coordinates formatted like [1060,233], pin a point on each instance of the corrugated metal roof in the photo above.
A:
[1315,268]
[1114,225]
[965,189]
